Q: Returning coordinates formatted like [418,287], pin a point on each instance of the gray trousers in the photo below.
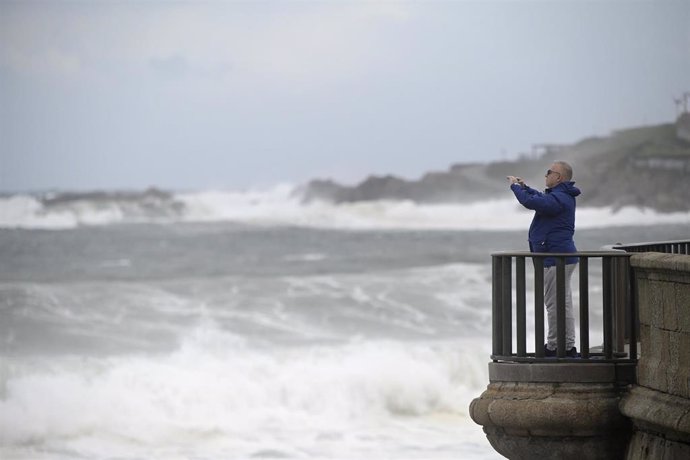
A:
[550,302]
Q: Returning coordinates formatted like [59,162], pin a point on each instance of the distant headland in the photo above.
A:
[646,166]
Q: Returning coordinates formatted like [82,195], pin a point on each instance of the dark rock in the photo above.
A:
[643,167]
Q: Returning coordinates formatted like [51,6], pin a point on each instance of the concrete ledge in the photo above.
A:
[660,261]
[658,413]
[623,373]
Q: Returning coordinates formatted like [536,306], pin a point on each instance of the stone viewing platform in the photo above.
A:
[609,403]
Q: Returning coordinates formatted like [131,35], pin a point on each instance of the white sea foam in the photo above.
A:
[217,398]
[23,211]
[282,206]
[221,394]
[307,257]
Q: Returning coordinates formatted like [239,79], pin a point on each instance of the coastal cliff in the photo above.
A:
[646,167]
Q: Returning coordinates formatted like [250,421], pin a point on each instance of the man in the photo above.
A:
[552,230]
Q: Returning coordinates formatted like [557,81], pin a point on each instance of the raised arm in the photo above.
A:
[544,203]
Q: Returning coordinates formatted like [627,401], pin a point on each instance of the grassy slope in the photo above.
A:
[609,170]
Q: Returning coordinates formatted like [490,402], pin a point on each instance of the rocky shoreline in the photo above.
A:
[646,167]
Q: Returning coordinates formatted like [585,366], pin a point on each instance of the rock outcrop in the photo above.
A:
[646,167]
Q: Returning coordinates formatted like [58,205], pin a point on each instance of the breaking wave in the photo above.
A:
[231,401]
[283,206]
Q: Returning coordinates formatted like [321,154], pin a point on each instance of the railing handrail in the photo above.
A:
[591,254]
[649,243]
[618,304]
[669,247]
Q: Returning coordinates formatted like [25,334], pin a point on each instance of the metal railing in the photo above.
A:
[668,247]
[619,307]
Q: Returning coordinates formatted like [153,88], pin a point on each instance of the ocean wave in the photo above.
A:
[283,206]
[216,393]
[70,210]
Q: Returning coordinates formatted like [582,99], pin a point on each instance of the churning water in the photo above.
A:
[242,326]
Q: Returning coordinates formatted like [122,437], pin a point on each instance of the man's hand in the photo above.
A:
[516,180]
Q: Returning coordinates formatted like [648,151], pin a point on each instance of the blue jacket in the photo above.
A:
[553,224]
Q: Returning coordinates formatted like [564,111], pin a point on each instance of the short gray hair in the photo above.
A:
[567,169]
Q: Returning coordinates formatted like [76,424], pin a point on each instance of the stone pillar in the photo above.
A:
[555,410]
[660,404]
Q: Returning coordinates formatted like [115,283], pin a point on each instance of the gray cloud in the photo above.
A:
[183,95]
[170,67]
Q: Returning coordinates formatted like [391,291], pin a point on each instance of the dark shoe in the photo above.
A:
[572,353]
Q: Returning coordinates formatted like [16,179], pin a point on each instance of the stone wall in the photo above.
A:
[659,405]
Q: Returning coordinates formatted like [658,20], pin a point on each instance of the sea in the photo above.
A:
[251,325]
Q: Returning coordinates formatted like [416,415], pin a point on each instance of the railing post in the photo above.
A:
[496,303]
[507,306]
[538,306]
[620,302]
[560,306]
[607,306]
[584,307]
[520,310]
[633,309]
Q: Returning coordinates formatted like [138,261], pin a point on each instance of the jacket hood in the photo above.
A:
[567,187]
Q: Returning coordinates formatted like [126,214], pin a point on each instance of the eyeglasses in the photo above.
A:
[549,172]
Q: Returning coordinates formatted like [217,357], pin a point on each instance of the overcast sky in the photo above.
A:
[121,95]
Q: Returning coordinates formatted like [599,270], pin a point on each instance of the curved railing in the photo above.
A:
[668,247]
[619,307]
